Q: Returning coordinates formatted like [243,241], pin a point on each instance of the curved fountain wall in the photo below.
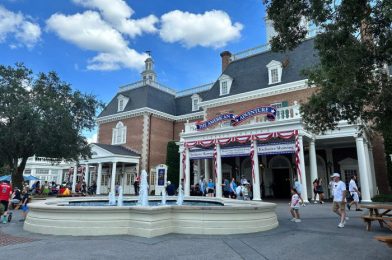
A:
[55,217]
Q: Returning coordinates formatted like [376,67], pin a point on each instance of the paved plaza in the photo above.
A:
[317,237]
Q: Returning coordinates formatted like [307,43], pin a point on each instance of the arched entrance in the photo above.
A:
[280,167]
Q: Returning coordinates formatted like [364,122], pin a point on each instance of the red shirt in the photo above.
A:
[5,191]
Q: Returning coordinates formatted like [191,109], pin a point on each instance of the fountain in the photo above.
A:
[163,202]
[112,199]
[120,197]
[149,216]
[143,192]
[180,198]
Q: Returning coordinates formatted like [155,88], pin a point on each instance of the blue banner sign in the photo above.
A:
[235,120]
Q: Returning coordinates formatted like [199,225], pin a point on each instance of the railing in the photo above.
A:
[282,114]
[48,160]
[142,83]
[250,52]
[194,90]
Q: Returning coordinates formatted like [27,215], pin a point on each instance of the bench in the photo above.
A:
[378,212]
[385,239]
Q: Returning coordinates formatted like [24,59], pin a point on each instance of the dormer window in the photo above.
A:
[195,102]
[225,82]
[121,103]
[274,72]
[119,134]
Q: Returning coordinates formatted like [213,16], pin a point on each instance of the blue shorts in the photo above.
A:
[25,208]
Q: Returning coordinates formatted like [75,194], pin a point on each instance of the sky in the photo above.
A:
[99,45]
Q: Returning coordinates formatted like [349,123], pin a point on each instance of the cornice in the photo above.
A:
[255,94]
[146,110]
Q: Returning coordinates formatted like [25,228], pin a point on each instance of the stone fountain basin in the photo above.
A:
[55,217]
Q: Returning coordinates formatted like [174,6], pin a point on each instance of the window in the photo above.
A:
[119,134]
[195,102]
[225,82]
[274,72]
[224,88]
[121,103]
[274,76]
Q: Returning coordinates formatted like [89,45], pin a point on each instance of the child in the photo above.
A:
[294,205]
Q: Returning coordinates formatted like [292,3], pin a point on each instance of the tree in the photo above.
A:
[173,162]
[41,116]
[354,44]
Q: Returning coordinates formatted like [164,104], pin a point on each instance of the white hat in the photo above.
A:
[335,175]
[168,182]
[246,183]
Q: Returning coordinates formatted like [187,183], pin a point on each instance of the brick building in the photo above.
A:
[252,108]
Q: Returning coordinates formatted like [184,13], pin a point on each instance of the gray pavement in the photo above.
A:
[317,237]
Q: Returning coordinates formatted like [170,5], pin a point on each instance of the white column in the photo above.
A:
[372,170]
[99,178]
[368,169]
[113,180]
[304,193]
[187,188]
[313,161]
[74,177]
[60,177]
[256,179]
[363,177]
[218,183]
[207,169]
[87,173]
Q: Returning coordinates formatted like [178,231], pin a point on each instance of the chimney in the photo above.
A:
[226,55]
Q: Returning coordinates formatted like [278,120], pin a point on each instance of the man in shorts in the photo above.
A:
[353,189]
[339,199]
[298,187]
[5,192]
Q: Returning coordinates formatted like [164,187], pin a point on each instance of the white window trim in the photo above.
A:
[222,79]
[272,66]
[124,101]
[119,134]
[195,97]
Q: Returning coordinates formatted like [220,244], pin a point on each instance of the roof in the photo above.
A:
[249,73]
[117,149]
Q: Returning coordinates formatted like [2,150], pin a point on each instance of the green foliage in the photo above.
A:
[354,45]
[41,115]
[382,198]
[173,162]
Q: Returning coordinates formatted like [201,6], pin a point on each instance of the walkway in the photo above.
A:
[317,237]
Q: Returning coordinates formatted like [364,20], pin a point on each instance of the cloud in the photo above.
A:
[88,31]
[211,29]
[117,13]
[93,138]
[25,32]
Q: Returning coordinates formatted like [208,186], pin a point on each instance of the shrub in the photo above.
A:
[382,198]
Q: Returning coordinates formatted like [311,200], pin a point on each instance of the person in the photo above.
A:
[243,180]
[339,199]
[45,188]
[226,188]
[25,200]
[330,185]
[210,188]
[15,198]
[5,192]
[315,184]
[233,189]
[136,185]
[202,186]
[170,189]
[320,190]
[36,187]
[353,189]
[238,192]
[298,187]
[294,205]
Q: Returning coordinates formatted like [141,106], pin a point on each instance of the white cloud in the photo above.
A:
[88,31]
[19,27]
[93,138]
[117,13]
[211,29]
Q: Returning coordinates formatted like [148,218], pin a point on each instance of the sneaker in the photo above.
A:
[348,206]
[315,202]
[341,225]
[303,205]
[358,210]
[297,220]
[293,219]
